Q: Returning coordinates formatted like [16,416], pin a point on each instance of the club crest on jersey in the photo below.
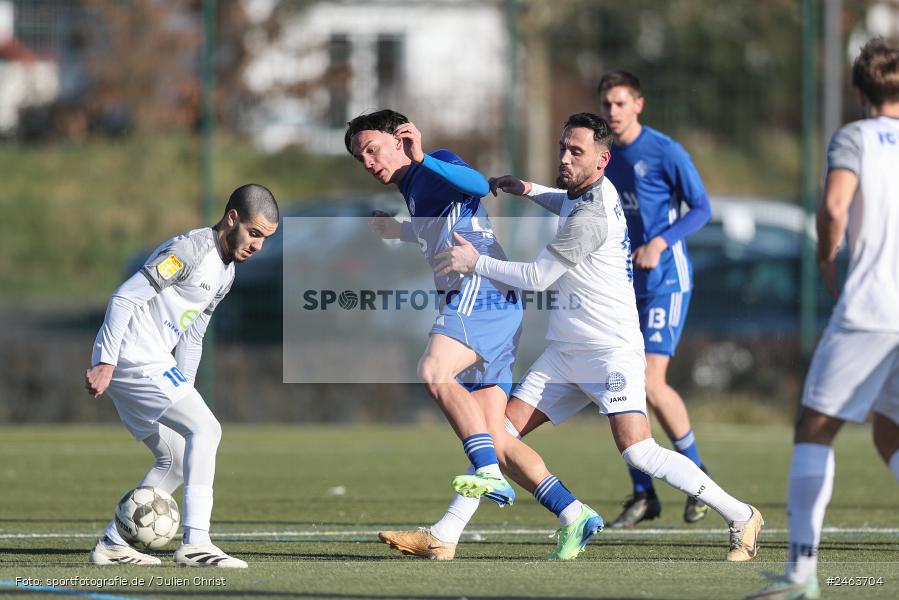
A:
[616,381]
[169,267]
[641,168]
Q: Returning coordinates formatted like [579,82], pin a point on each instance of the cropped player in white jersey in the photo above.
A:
[166,306]
[855,369]
[596,348]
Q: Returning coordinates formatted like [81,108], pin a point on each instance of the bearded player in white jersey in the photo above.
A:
[855,369]
[595,353]
[166,307]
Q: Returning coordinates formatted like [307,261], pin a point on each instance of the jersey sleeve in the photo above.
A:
[688,186]
[130,296]
[845,149]
[584,231]
[189,349]
[549,198]
[455,172]
[536,276]
[171,264]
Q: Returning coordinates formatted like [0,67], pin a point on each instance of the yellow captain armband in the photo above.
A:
[169,267]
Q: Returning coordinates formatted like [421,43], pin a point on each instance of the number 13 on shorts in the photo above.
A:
[662,321]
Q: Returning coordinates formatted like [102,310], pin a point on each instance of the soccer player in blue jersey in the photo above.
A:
[655,178]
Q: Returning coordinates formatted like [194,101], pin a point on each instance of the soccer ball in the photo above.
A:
[147,518]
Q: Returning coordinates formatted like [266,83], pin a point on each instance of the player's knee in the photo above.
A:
[208,432]
[655,389]
[431,373]
[646,455]
[215,431]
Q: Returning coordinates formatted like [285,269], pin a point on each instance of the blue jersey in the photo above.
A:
[438,209]
[655,177]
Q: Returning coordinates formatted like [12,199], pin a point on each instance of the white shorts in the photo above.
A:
[568,377]
[853,372]
[142,394]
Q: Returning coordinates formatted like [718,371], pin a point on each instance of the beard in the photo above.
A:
[231,240]
[570,182]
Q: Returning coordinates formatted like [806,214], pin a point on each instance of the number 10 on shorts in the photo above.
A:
[175,376]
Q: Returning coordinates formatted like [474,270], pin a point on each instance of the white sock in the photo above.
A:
[570,513]
[810,488]
[196,536]
[894,464]
[459,512]
[682,473]
[492,469]
[112,532]
[197,513]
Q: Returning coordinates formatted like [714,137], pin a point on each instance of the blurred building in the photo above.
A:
[27,78]
[441,62]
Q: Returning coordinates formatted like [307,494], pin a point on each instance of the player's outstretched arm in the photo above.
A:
[832,220]
[549,198]
[455,172]
[537,275]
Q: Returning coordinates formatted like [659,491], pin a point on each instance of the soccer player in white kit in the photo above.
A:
[596,352]
[166,306]
[855,368]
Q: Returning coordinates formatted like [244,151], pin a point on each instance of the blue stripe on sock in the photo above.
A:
[480,450]
[642,482]
[688,447]
[544,487]
[553,495]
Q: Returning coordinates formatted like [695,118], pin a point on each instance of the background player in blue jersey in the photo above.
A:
[655,177]
[467,366]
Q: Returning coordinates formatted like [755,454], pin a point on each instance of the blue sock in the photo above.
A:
[687,446]
[480,450]
[553,495]
[642,482]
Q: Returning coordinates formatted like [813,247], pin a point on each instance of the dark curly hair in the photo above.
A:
[383,120]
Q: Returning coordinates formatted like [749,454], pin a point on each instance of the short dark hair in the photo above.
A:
[253,199]
[875,73]
[383,120]
[619,78]
[602,133]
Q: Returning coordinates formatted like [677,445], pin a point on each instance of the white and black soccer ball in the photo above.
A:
[147,518]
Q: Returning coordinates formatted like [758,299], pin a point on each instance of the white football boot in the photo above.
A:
[206,555]
[104,554]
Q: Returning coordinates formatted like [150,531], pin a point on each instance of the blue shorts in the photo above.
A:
[489,325]
[662,319]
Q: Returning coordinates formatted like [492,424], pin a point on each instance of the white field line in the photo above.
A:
[344,533]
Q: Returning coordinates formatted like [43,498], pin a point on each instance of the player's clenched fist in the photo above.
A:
[510,185]
[409,134]
[97,378]
[384,225]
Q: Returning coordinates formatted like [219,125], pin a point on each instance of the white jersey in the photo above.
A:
[596,302]
[870,149]
[191,277]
